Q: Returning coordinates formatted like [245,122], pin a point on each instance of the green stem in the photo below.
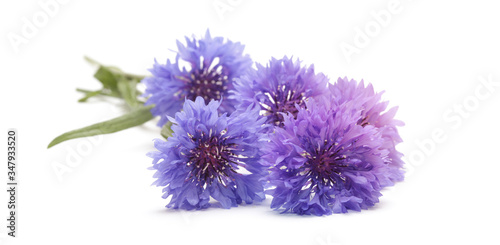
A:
[99,92]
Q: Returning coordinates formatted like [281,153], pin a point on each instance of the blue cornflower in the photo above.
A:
[211,155]
[324,162]
[357,96]
[278,87]
[214,64]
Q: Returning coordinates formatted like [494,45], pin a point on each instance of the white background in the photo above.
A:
[427,58]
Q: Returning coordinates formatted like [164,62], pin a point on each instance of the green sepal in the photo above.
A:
[107,78]
[166,130]
[115,83]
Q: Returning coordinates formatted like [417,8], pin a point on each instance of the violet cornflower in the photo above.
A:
[374,112]
[278,87]
[323,161]
[214,64]
[211,155]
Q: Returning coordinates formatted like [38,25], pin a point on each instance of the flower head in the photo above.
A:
[373,112]
[214,64]
[324,162]
[278,87]
[211,155]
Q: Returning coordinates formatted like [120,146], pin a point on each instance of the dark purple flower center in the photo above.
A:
[211,159]
[207,82]
[327,164]
[363,121]
[282,100]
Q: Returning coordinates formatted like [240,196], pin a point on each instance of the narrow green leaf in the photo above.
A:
[128,91]
[166,130]
[132,119]
[91,61]
[101,92]
[90,94]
